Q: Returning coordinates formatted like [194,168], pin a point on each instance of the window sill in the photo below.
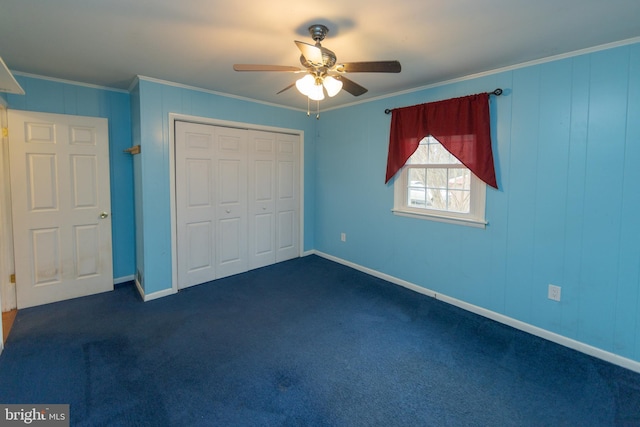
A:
[469,222]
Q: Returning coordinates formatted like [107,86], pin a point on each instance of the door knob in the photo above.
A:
[103,215]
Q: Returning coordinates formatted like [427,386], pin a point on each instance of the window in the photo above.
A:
[433,184]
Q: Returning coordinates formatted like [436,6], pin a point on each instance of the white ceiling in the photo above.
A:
[196,42]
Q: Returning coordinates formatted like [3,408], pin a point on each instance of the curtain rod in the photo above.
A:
[496,92]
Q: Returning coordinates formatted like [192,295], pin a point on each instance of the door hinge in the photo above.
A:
[5,132]
[12,278]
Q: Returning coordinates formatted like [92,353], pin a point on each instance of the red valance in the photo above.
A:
[461,125]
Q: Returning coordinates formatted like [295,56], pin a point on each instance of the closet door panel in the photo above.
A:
[262,199]
[195,207]
[231,201]
[288,197]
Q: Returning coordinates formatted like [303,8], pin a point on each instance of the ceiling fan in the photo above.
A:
[322,69]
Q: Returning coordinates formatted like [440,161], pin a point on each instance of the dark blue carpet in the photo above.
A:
[307,342]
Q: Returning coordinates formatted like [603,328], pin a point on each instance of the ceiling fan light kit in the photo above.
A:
[332,85]
[323,72]
[311,86]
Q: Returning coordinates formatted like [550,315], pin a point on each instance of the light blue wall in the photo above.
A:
[567,146]
[155,101]
[50,96]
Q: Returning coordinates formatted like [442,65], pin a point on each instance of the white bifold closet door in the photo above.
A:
[273,198]
[237,200]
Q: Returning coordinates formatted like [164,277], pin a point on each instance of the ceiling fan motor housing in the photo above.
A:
[328,59]
[318,32]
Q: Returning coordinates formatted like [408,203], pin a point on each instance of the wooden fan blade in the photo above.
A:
[352,87]
[257,67]
[286,88]
[369,67]
[312,54]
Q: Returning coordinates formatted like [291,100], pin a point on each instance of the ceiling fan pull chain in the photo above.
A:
[318,111]
[308,107]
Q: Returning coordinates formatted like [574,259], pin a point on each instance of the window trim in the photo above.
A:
[475,218]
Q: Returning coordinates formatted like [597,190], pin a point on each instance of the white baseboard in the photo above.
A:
[153,295]
[517,324]
[124,279]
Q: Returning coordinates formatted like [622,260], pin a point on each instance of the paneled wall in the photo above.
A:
[50,96]
[566,137]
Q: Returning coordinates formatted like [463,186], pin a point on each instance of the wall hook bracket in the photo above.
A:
[133,150]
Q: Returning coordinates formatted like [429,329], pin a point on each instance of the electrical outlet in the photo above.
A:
[554,292]
[343,237]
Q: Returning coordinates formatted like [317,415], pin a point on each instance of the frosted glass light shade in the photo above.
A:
[306,84]
[332,85]
[316,93]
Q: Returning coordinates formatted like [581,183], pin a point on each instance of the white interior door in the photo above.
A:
[195,203]
[8,291]
[60,206]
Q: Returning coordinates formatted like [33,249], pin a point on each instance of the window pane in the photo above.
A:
[416,192]
[437,178]
[420,157]
[459,201]
[430,151]
[438,154]
[417,176]
[437,199]
[459,179]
